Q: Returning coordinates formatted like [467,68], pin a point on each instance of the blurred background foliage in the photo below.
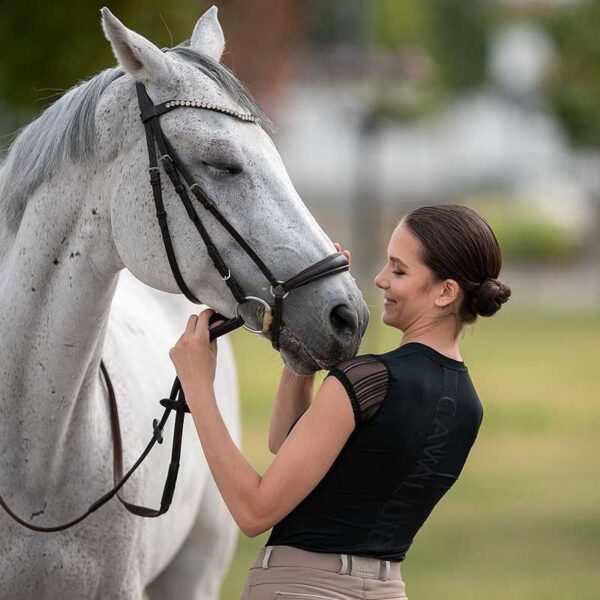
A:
[574,86]
[57,45]
[453,34]
[527,237]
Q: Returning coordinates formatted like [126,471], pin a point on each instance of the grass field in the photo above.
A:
[523,521]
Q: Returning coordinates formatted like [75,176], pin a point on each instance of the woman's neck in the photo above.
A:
[443,339]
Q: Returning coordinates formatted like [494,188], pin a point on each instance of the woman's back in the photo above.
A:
[417,416]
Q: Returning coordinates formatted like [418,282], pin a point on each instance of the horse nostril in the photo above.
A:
[344,319]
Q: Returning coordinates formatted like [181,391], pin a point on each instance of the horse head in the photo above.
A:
[228,153]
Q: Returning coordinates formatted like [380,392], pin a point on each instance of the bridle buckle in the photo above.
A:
[285,295]
[166,161]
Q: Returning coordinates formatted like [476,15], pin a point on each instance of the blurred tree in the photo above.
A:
[262,39]
[459,45]
[48,47]
[336,22]
[452,32]
[574,88]
[396,25]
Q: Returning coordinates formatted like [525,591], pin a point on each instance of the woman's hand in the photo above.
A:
[346,253]
[194,356]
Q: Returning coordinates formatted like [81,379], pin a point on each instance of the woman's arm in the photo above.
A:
[293,398]
[257,503]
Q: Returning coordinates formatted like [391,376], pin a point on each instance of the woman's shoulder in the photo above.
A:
[366,378]
[363,367]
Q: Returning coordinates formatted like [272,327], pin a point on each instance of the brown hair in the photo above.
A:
[459,244]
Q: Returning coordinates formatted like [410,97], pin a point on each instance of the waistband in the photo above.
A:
[344,564]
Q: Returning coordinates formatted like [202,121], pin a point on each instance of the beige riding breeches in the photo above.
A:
[287,573]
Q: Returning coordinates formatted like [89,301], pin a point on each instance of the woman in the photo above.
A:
[359,467]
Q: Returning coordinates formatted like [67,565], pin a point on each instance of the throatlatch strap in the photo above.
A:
[168,159]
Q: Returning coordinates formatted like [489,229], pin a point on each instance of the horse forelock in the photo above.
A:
[66,130]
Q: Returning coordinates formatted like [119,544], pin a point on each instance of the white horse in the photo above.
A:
[84,277]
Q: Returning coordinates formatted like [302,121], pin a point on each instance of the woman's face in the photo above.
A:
[409,290]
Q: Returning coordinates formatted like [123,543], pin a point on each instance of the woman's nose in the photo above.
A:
[380,282]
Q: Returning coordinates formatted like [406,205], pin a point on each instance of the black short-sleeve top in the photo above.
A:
[417,415]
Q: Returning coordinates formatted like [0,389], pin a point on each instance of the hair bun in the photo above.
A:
[490,296]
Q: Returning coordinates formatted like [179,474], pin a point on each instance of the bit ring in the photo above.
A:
[266,306]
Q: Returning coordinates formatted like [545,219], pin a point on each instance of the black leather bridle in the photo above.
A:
[177,171]
[272,316]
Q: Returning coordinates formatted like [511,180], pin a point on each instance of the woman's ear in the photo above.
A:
[450,291]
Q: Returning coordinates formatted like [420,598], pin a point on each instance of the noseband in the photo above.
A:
[181,177]
[272,316]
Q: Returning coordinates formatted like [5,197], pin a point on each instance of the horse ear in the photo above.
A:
[135,54]
[208,37]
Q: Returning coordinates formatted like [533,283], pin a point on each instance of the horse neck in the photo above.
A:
[59,278]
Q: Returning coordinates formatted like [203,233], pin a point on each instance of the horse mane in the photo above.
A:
[66,130]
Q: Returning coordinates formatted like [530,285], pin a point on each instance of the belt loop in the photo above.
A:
[265,563]
[386,572]
[344,568]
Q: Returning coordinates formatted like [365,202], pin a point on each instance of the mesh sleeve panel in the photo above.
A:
[366,380]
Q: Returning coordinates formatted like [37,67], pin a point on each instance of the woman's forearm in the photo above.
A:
[237,480]
[294,395]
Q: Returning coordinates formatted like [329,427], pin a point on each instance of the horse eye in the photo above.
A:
[222,168]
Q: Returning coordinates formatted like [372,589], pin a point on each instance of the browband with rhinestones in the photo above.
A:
[209,106]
